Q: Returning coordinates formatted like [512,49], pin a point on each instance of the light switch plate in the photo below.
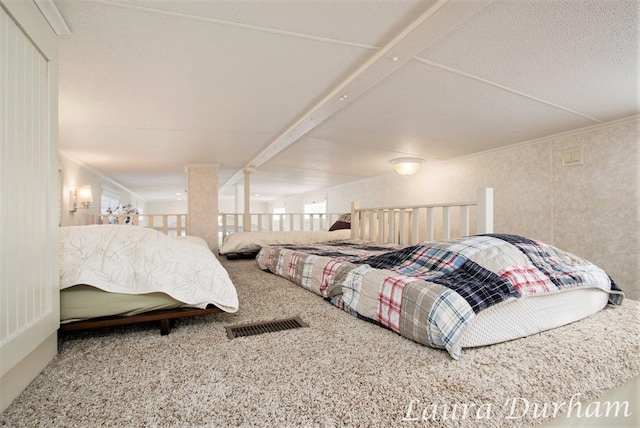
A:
[572,157]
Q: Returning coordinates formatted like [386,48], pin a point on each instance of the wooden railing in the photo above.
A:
[169,224]
[409,225]
[402,225]
[232,222]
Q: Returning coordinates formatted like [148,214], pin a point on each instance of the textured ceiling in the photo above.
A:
[149,86]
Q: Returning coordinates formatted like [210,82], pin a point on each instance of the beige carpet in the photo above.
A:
[340,371]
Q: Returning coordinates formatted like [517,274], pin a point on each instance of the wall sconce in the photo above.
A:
[81,196]
[406,166]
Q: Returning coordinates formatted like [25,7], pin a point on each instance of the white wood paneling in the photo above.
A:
[29,312]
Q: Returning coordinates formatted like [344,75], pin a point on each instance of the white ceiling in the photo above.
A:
[147,87]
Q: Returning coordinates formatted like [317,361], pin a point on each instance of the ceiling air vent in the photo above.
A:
[264,327]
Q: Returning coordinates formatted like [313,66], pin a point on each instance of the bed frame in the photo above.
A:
[165,316]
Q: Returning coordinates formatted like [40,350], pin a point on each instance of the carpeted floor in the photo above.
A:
[340,371]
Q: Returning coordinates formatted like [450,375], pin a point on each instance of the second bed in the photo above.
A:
[451,294]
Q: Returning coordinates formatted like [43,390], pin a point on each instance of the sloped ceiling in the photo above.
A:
[315,93]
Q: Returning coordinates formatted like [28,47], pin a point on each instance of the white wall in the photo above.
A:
[228,205]
[73,173]
[166,207]
[592,210]
[295,204]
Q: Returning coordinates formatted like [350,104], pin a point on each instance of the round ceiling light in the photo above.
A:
[406,165]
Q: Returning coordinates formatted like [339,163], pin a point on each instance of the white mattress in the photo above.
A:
[518,318]
[82,302]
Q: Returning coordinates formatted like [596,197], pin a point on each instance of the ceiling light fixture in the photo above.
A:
[406,165]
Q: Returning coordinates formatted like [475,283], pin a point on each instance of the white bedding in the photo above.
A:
[138,260]
[248,242]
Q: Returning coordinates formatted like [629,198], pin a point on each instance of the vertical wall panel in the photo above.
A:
[29,192]
[4,290]
[26,182]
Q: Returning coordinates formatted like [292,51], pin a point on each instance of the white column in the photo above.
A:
[202,193]
[239,197]
[246,218]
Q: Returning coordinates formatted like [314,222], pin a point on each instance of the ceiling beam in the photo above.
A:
[51,13]
[412,40]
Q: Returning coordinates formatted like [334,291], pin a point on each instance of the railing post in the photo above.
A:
[429,223]
[224,226]
[403,226]
[178,225]
[393,236]
[415,226]
[446,223]
[485,210]
[355,220]
[373,233]
[464,220]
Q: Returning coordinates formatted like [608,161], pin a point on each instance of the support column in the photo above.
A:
[202,194]
[246,218]
[238,193]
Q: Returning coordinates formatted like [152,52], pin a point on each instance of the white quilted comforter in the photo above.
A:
[138,260]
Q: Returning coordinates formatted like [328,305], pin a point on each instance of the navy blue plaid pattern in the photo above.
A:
[478,286]
[391,259]
[419,260]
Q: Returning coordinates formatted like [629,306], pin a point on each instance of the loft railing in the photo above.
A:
[403,225]
[409,225]
[169,224]
[232,222]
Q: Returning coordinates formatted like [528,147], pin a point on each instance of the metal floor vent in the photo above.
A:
[264,327]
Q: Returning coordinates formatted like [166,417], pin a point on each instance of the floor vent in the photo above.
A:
[264,327]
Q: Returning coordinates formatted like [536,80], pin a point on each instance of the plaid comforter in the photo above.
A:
[430,292]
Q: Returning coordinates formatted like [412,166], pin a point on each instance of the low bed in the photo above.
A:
[115,274]
[450,293]
[247,244]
